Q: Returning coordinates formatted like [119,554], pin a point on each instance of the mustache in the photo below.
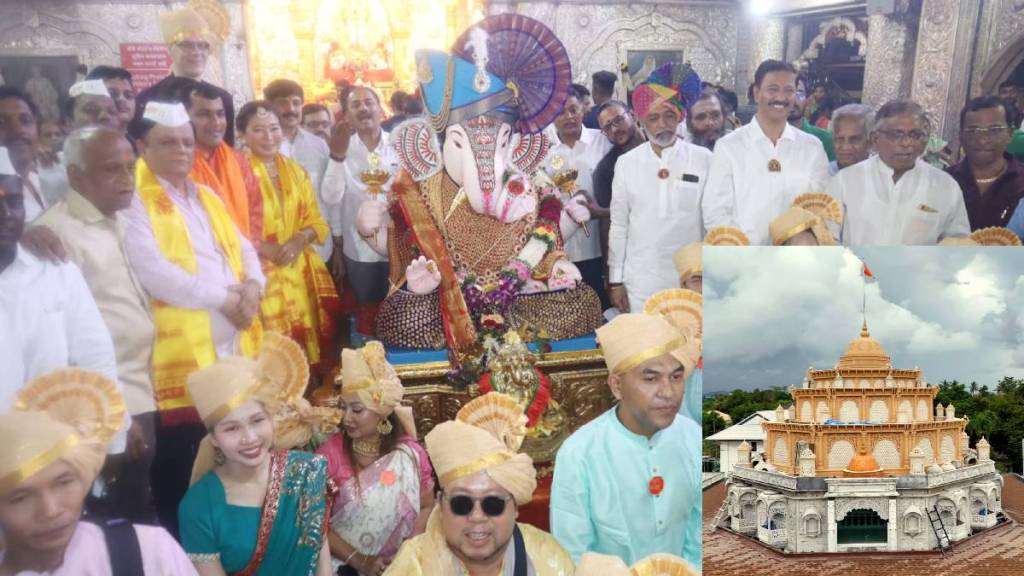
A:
[290,115]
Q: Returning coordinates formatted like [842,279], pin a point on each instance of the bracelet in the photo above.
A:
[615,284]
[336,159]
[349,559]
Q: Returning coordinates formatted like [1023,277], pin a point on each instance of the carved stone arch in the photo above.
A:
[806,413]
[810,523]
[913,521]
[879,506]
[50,35]
[1003,65]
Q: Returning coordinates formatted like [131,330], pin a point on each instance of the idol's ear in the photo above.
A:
[418,148]
[529,151]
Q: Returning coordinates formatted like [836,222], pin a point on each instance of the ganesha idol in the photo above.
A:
[472,227]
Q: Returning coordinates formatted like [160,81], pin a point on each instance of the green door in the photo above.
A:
[862,527]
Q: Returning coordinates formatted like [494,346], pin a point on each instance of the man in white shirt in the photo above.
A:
[895,197]
[851,135]
[578,148]
[301,145]
[351,153]
[758,169]
[656,201]
[705,121]
[101,171]
[19,133]
[48,317]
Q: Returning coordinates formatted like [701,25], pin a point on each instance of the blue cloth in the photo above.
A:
[1016,224]
[600,496]
[459,95]
[692,406]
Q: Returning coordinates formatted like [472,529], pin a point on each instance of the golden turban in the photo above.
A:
[684,310]
[367,373]
[178,25]
[485,436]
[688,260]
[69,415]
[632,339]
[796,220]
[277,379]
[594,564]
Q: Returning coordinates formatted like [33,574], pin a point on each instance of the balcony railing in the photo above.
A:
[775,537]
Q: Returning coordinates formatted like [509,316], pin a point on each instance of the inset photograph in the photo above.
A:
[863,410]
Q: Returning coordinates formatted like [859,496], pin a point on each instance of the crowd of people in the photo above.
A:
[173,272]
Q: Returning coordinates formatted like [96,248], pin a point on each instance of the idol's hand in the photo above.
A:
[371,217]
[564,275]
[577,209]
[422,276]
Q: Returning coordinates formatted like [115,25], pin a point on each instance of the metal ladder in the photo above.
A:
[718,515]
[939,529]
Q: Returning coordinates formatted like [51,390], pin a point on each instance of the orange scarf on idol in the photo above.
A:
[224,175]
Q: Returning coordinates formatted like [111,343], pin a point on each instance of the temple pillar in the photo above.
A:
[891,526]
[889,65]
[830,526]
[942,65]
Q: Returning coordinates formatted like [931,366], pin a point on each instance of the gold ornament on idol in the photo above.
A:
[375,176]
[366,447]
[566,182]
[774,165]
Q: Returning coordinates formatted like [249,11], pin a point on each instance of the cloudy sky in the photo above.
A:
[769,313]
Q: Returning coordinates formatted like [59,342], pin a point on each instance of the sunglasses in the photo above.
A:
[491,505]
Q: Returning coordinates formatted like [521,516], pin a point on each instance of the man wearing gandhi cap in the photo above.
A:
[190,41]
[91,104]
[53,447]
[484,479]
[628,482]
[656,197]
[204,281]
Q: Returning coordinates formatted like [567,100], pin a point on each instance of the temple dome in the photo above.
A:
[865,353]
[862,465]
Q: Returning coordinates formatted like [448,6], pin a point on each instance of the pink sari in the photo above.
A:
[376,511]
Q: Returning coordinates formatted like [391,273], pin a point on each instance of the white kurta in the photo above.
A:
[343,186]
[312,153]
[50,321]
[923,207]
[583,157]
[652,217]
[35,201]
[742,192]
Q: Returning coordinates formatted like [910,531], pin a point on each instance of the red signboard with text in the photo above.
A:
[149,62]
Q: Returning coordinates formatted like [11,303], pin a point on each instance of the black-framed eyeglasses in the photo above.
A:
[462,505]
[614,123]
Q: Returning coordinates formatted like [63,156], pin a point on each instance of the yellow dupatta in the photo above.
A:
[300,299]
[184,342]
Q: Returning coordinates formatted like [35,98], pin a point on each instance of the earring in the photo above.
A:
[218,456]
[384,427]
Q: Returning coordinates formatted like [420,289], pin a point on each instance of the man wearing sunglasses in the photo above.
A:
[190,42]
[895,198]
[991,179]
[472,530]
[628,482]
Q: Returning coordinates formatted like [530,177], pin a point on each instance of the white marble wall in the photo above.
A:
[598,33]
[93,31]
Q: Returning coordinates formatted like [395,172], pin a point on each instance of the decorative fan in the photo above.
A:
[500,415]
[528,56]
[418,148]
[529,152]
[284,365]
[682,308]
[726,236]
[300,423]
[663,565]
[86,400]
[821,204]
[995,236]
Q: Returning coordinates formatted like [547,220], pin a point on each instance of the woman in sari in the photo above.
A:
[300,298]
[386,487]
[254,510]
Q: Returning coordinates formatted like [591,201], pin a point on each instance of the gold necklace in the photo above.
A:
[368,448]
[994,178]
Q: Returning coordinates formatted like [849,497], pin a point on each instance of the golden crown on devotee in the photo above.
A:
[995,236]
[87,400]
[662,565]
[821,204]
